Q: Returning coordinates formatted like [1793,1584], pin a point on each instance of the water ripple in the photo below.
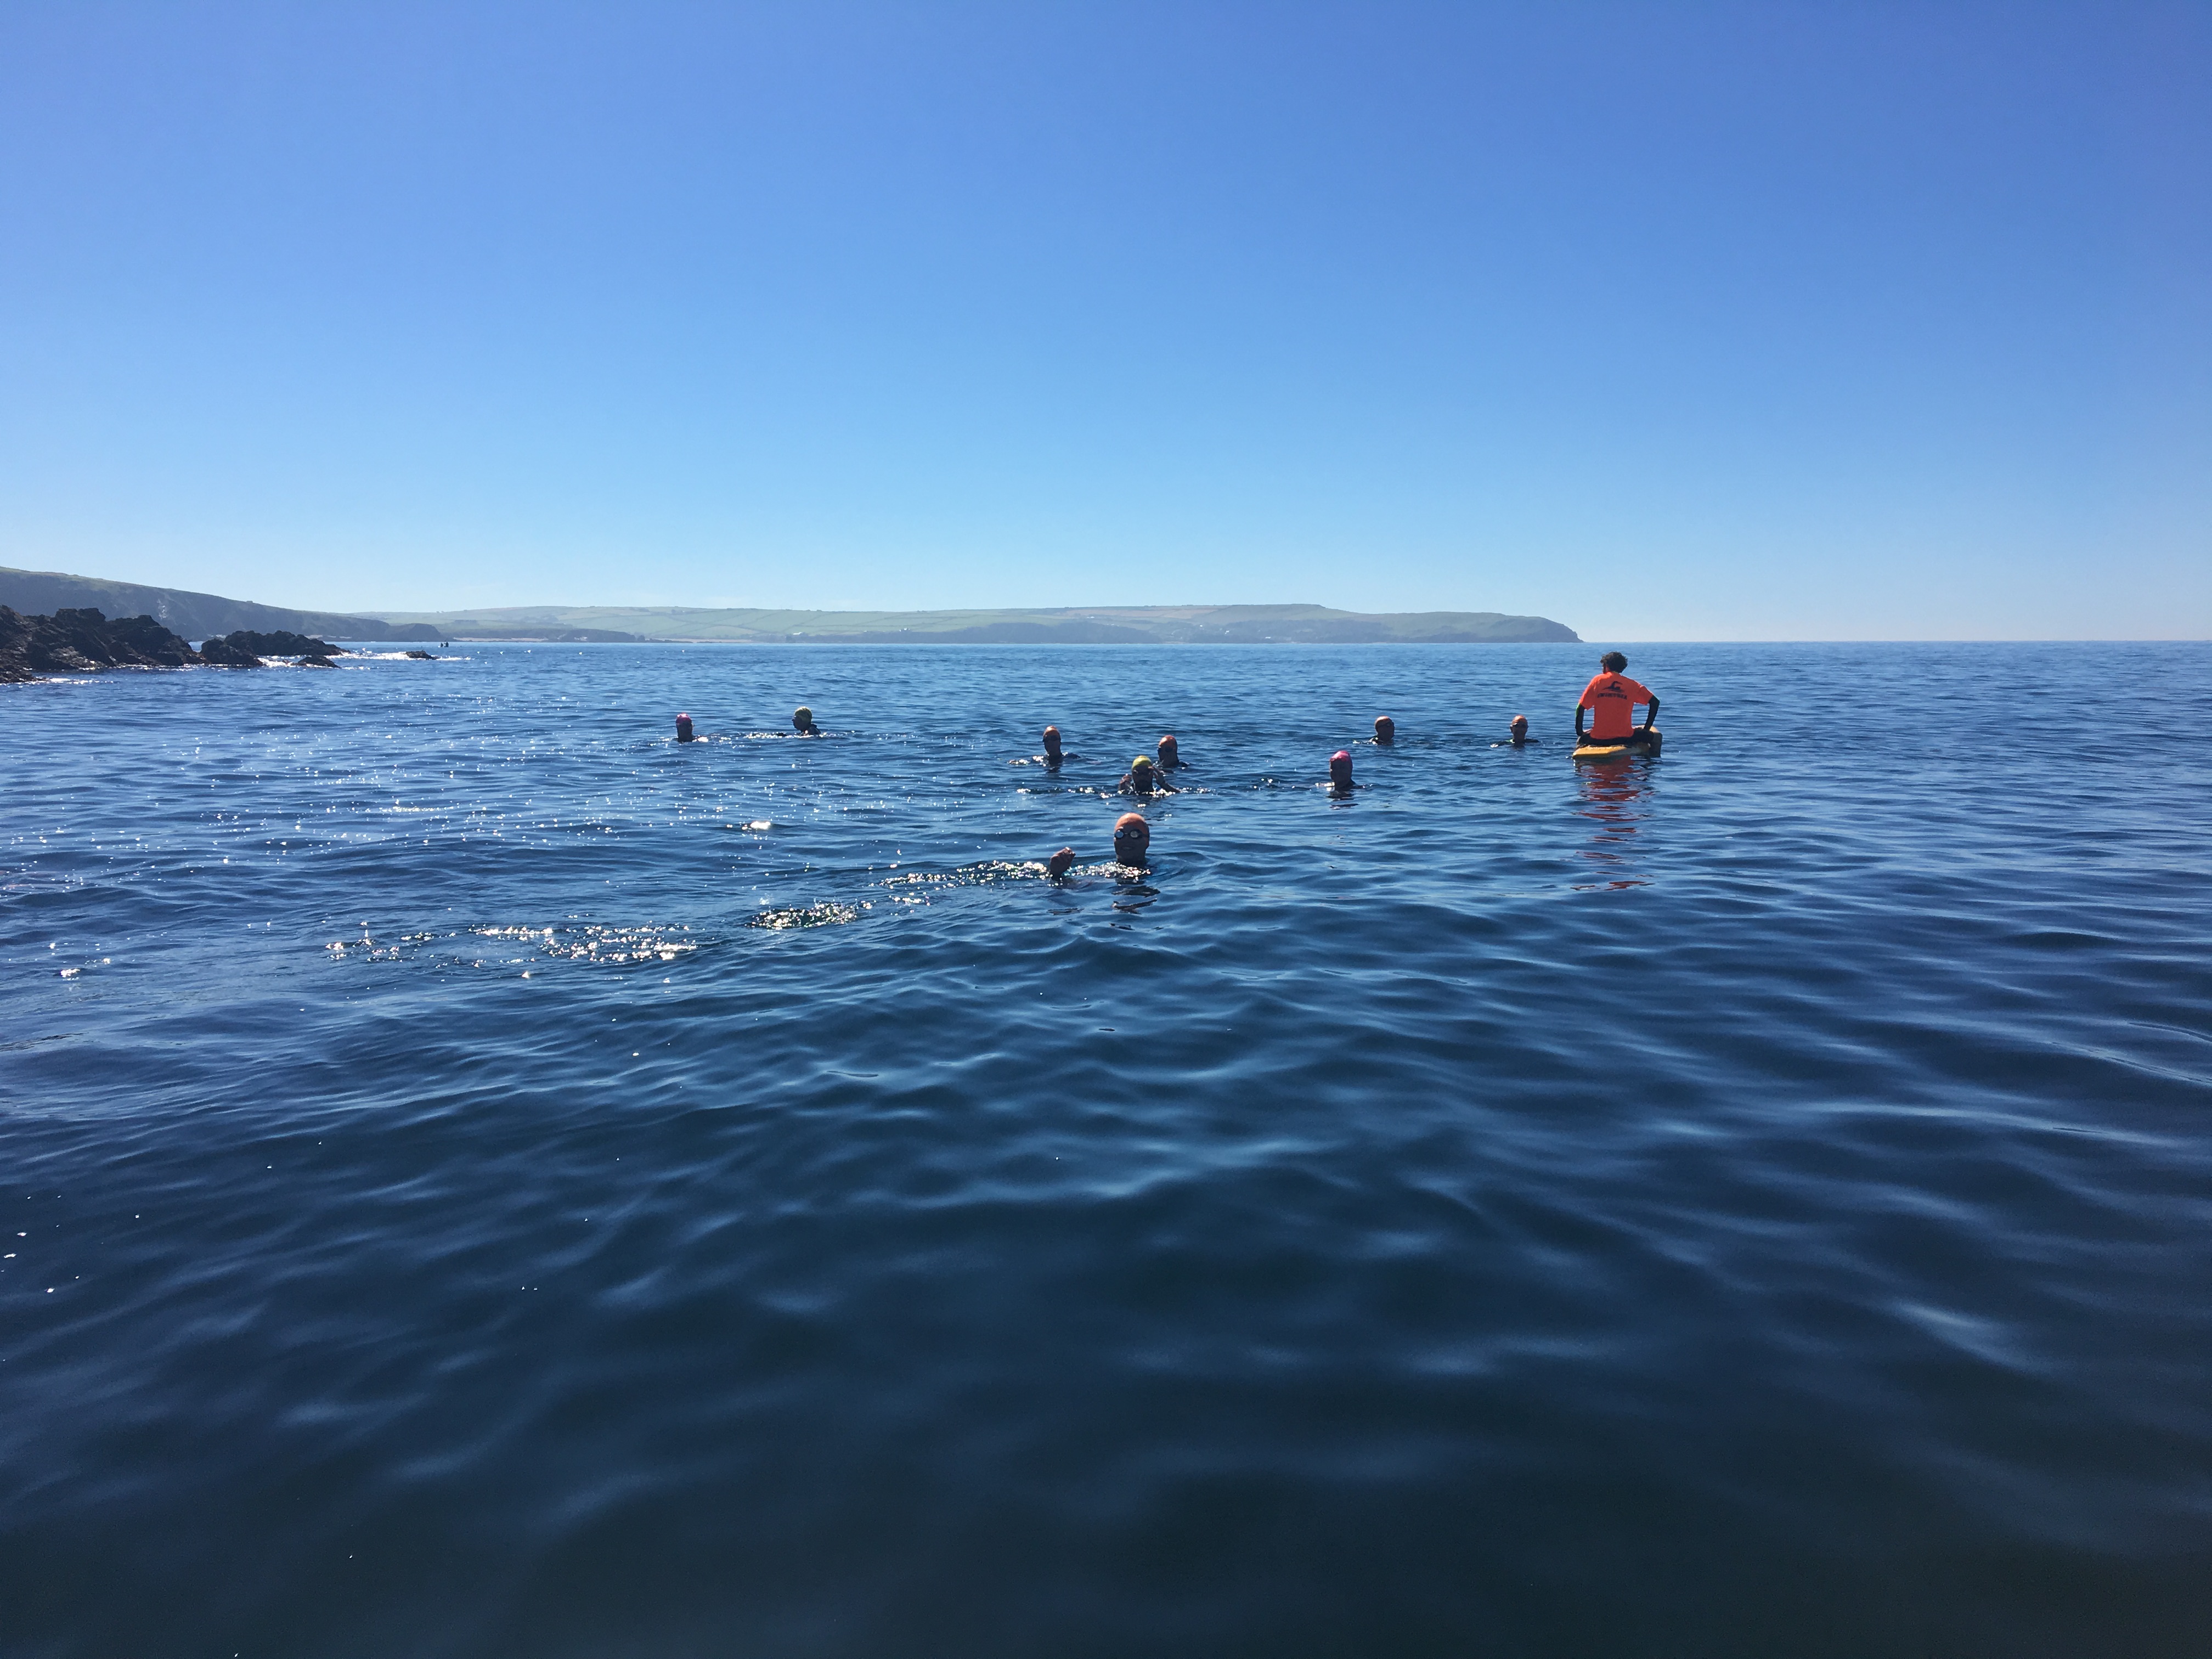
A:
[485,1178]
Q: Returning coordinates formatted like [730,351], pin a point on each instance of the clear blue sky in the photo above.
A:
[1667,321]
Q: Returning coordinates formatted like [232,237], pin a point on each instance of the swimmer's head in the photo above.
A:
[1141,771]
[802,719]
[683,728]
[1061,862]
[1052,738]
[1520,726]
[1167,750]
[1612,662]
[1132,836]
[1340,766]
[1386,729]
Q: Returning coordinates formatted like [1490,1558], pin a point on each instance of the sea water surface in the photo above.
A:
[482,1179]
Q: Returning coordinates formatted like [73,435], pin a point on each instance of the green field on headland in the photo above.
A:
[196,615]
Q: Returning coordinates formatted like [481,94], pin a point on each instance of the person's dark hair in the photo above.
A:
[1613,661]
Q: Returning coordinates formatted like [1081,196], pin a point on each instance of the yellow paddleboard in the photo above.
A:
[1591,750]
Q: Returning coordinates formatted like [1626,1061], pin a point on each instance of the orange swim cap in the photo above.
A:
[1132,836]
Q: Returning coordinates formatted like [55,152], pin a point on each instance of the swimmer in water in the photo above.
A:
[802,722]
[1053,757]
[1132,840]
[1520,739]
[1143,778]
[684,733]
[1386,730]
[1059,863]
[1169,759]
[1339,773]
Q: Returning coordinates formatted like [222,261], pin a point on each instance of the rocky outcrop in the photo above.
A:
[279,644]
[223,653]
[424,656]
[78,641]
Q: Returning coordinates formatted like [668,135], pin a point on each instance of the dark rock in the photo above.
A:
[279,644]
[139,641]
[78,641]
[316,662]
[227,653]
[15,633]
[424,656]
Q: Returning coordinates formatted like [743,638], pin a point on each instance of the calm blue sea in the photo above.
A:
[480,1179]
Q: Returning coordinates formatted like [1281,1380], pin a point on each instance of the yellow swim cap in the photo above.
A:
[1140,762]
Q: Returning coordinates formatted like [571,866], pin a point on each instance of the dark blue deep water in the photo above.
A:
[481,1180]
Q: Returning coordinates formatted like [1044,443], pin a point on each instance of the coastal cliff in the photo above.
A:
[202,615]
[193,615]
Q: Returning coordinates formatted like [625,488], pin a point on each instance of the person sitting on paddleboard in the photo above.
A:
[1610,698]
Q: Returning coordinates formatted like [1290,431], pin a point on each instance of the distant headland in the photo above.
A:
[197,616]
[1159,624]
